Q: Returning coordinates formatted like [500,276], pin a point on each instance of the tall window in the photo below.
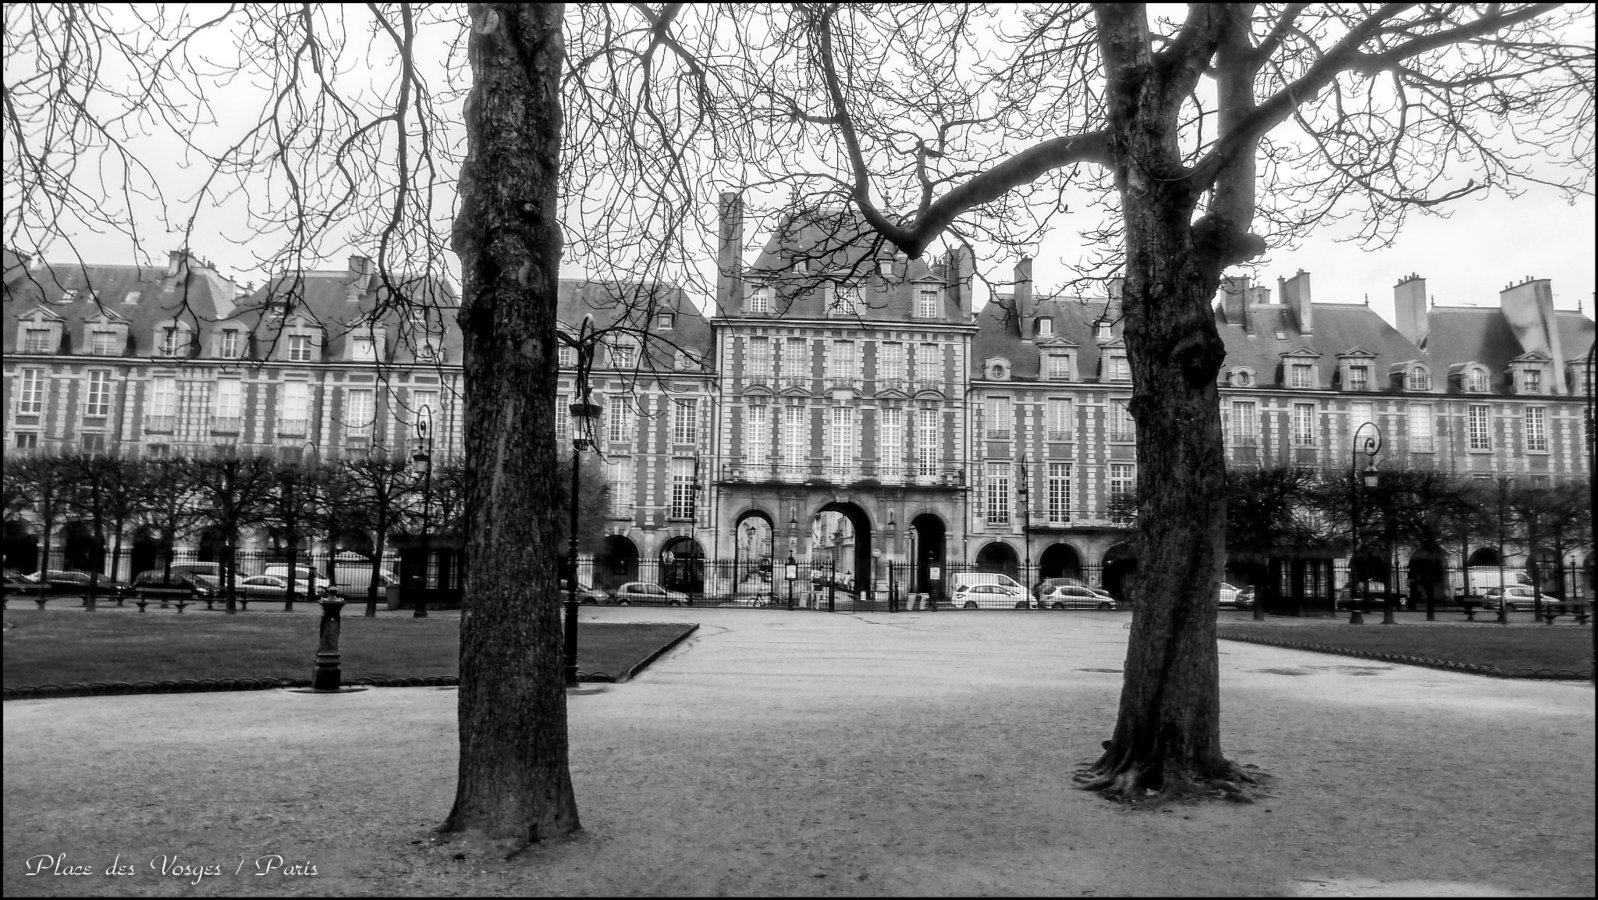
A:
[998,493]
[682,489]
[840,446]
[999,417]
[928,426]
[104,343]
[1060,420]
[890,364]
[229,407]
[565,355]
[232,344]
[685,422]
[360,410]
[795,437]
[1536,428]
[928,298]
[291,417]
[1301,375]
[841,362]
[929,365]
[27,440]
[757,434]
[1420,427]
[36,340]
[30,395]
[795,361]
[1359,414]
[759,300]
[845,300]
[1121,426]
[1481,437]
[619,478]
[1059,496]
[163,411]
[757,363]
[1123,482]
[1245,423]
[425,408]
[98,401]
[299,348]
[1303,424]
[890,442]
[619,424]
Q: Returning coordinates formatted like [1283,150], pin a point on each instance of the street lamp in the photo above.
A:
[1369,445]
[423,458]
[1024,493]
[583,411]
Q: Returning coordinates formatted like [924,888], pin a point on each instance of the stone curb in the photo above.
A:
[1471,668]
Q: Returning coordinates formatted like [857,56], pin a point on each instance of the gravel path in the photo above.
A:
[797,754]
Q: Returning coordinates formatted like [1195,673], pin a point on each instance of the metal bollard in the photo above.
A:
[327,675]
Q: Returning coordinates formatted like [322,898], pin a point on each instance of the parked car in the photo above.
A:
[202,586]
[992,596]
[304,575]
[1244,598]
[16,582]
[273,587]
[76,582]
[1515,597]
[1228,598]
[1357,597]
[649,593]
[587,594]
[1073,596]
[1049,584]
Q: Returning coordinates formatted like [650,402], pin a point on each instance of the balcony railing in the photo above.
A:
[291,427]
[161,424]
[827,473]
[227,424]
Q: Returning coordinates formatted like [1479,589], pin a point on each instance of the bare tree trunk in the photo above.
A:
[514,779]
[1167,733]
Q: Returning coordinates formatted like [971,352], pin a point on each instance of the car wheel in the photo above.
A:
[674,603]
[970,604]
[622,601]
[1057,605]
[1022,604]
[1106,606]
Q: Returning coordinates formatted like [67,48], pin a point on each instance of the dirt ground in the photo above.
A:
[799,754]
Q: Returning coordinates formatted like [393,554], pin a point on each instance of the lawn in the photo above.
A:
[74,648]
[1510,650]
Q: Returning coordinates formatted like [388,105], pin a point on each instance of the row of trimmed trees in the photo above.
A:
[1279,510]
[364,501]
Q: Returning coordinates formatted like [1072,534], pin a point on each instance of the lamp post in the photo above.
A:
[791,569]
[893,539]
[1024,492]
[583,411]
[1369,445]
[423,458]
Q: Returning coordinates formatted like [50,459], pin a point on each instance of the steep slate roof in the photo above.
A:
[1338,329]
[634,307]
[1457,334]
[1576,333]
[835,244]
[197,296]
[999,334]
[324,297]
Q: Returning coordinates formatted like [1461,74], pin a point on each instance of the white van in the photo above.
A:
[1481,579]
[354,576]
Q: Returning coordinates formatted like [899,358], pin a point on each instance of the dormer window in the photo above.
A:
[1359,377]
[1301,375]
[623,354]
[363,349]
[38,340]
[1116,368]
[429,351]
[230,344]
[68,297]
[844,301]
[1242,376]
[929,300]
[1058,366]
[104,342]
[299,348]
[1531,381]
[1045,326]
[759,300]
[1102,332]
[665,321]
[131,298]
[1476,380]
[998,370]
[172,341]
[1419,379]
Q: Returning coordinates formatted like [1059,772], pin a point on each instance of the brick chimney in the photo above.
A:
[1409,307]
[1528,307]
[1025,308]
[958,269]
[1296,296]
[729,254]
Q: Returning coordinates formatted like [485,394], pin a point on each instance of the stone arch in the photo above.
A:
[152,549]
[1060,560]
[998,556]
[853,562]
[682,565]
[1120,571]
[928,534]
[754,549]
[21,547]
[80,548]
[1483,556]
[616,563]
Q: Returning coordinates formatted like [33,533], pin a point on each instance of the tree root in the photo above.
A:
[1136,783]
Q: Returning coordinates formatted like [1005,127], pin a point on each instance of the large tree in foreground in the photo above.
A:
[1203,140]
